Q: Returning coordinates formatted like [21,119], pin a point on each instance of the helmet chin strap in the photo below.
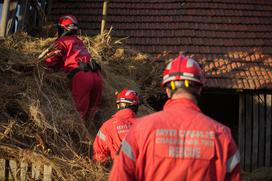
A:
[132,107]
[63,32]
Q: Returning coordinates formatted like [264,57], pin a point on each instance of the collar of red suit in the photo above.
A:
[124,113]
[182,102]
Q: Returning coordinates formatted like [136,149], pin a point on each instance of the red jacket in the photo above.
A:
[69,50]
[86,87]
[178,143]
[111,134]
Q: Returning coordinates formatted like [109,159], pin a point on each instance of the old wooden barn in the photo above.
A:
[232,40]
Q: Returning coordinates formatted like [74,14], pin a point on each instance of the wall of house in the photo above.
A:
[255,130]
[248,115]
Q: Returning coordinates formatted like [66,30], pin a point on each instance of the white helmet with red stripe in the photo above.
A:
[183,69]
[68,22]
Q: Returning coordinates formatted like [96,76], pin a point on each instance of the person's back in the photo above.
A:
[187,145]
[72,50]
[111,134]
[114,130]
[178,143]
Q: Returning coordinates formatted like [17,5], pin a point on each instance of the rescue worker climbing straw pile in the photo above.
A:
[70,54]
[114,130]
[179,142]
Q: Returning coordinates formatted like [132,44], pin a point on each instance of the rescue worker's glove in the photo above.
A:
[94,66]
[49,52]
[91,66]
[83,66]
[53,54]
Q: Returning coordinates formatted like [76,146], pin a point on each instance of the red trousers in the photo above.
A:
[86,88]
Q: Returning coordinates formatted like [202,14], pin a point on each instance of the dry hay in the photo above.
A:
[124,67]
[38,121]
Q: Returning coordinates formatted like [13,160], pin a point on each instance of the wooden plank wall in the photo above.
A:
[255,130]
[22,171]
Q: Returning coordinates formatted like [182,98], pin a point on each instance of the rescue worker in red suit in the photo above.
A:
[179,142]
[71,55]
[114,130]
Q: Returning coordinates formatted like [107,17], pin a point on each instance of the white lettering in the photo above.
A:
[207,142]
[176,141]
[183,152]
[122,131]
[123,127]
[196,134]
[166,132]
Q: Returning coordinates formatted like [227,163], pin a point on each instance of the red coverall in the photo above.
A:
[111,134]
[86,87]
[178,143]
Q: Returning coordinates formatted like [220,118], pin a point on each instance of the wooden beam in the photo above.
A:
[23,171]
[6,170]
[104,15]
[255,132]
[268,132]
[39,9]
[2,169]
[262,131]
[5,10]
[36,171]
[12,170]
[48,7]
[34,16]
[248,133]
[47,173]
[42,19]
[22,15]
[241,136]
[10,29]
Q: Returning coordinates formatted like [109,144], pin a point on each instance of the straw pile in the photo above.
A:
[38,122]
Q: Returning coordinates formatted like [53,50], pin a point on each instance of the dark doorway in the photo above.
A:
[222,107]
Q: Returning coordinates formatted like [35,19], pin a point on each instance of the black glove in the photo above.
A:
[83,66]
[94,66]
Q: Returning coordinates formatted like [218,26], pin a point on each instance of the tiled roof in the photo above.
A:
[238,70]
[232,39]
[88,13]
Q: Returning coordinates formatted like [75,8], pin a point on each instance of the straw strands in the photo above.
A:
[38,121]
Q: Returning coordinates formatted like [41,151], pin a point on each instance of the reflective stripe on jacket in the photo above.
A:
[111,134]
[178,143]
